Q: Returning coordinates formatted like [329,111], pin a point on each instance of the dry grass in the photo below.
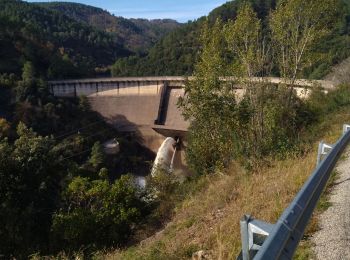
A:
[209,220]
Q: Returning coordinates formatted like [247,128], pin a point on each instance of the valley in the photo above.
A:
[237,101]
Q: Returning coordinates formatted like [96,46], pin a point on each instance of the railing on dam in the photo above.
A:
[76,87]
[275,80]
[261,240]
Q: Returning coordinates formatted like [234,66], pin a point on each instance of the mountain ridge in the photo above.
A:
[177,52]
[138,35]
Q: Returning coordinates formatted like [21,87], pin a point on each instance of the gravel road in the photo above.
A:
[332,241]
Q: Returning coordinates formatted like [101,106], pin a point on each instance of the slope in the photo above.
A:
[57,45]
[207,219]
[136,34]
[178,51]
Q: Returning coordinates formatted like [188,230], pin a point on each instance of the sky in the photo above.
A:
[180,10]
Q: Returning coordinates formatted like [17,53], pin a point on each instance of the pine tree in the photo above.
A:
[97,155]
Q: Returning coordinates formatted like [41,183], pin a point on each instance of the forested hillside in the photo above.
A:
[58,187]
[62,194]
[136,34]
[178,51]
[58,46]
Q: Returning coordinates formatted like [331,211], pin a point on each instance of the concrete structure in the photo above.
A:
[148,105]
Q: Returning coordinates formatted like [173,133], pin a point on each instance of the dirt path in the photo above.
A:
[332,241]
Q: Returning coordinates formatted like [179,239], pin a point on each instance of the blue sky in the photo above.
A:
[181,10]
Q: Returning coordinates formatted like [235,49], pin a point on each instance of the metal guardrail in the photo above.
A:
[264,241]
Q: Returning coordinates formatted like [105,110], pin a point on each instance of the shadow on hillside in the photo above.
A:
[134,157]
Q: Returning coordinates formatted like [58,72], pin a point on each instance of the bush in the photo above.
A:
[321,103]
[96,213]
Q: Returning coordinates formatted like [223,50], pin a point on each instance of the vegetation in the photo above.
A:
[96,213]
[209,220]
[268,119]
[57,45]
[178,52]
[138,35]
[59,191]
[45,209]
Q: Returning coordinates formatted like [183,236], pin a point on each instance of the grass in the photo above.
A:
[208,219]
[214,212]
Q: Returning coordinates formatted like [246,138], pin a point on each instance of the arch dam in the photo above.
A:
[148,105]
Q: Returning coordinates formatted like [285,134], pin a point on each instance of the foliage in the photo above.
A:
[84,104]
[97,156]
[137,35]
[4,128]
[162,188]
[177,53]
[28,73]
[56,45]
[70,40]
[96,212]
[35,172]
[245,41]
[296,26]
[172,55]
[267,119]
[210,106]
[321,104]
[30,191]
[49,202]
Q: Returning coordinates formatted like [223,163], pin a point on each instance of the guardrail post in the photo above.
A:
[323,149]
[245,237]
[345,128]
[253,234]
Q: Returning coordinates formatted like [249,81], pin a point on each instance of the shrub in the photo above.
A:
[96,213]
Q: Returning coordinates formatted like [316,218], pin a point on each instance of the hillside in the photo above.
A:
[138,35]
[208,218]
[178,51]
[340,72]
[58,46]
[50,145]
[64,195]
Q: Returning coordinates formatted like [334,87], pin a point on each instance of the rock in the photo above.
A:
[201,255]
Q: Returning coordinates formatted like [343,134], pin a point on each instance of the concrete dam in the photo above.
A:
[147,106]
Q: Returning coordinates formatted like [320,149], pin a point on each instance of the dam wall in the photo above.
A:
[148,106]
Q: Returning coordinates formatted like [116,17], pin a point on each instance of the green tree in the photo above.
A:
[28,73]
[122,67]
[26,86]
[261,123]
[29,182]
[4,127]
[210,105]
[263,119]
[97,213]
[245,41]
[97,156]
[296,26]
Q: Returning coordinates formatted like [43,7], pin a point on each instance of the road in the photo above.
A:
[332,241]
